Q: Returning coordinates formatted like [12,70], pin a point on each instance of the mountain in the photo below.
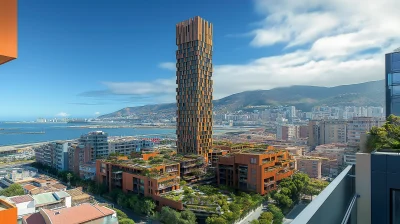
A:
[303,97]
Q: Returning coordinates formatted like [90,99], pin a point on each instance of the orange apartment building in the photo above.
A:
[8,28]
[256,170]
[213,155]
[8,212]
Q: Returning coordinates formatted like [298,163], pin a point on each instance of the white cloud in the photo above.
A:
[97,113]
[62,114]
[168,65]
[327,43]
[158,86]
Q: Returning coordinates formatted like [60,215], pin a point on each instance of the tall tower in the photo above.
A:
[392,84]
[194,92]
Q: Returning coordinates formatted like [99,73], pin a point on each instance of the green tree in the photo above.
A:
[188,216]
[148,207]
[69,176]
[216,220]
[126,221]
[283,200]
[12,190]
[255,221]
[168,215]
[120,214]
[385,137]
[266,218]
[235,208]
[277,213]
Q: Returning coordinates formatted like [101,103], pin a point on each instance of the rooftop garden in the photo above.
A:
[385,138]
[221,202]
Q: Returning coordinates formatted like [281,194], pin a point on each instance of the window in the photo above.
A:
[253,160]
[395,206]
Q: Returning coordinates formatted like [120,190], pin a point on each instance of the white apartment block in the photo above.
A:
[125,146]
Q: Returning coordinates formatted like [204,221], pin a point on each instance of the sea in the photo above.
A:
[18,133]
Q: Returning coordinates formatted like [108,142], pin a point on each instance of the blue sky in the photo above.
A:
[81,58]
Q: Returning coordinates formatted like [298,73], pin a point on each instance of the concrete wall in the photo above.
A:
[363,187]
[26,208]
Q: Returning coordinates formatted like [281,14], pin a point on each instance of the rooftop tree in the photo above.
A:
[387,137]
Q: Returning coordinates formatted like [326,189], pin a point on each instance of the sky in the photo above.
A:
[84,58]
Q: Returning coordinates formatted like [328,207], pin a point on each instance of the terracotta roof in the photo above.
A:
[77,214]
[35,218]
[29,187]
[59,186]
[21,199]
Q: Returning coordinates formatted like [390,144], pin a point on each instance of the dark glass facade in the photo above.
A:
[385,188]
[392,78]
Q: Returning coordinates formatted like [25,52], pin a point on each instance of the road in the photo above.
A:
[293,213]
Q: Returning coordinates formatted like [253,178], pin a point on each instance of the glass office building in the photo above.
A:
[392,78]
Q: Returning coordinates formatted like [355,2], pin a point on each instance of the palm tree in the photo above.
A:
[69,176]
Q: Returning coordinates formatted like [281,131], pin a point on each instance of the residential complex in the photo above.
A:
[98,141]
[125,146]
[340,131]
[256,170]
[194,93]
[392,82]
[53,154]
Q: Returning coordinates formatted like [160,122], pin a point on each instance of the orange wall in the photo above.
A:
[8,30]
[8,216]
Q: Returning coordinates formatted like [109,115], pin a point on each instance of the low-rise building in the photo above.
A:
[52,200]
[84,213]
[312,166]
[256,170]
[78,196]
[25,204]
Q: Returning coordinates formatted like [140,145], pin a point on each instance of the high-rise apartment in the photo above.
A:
[392,78]
[358,126]
[98,141]
[194,93]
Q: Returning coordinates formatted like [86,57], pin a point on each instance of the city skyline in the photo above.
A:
[260,52]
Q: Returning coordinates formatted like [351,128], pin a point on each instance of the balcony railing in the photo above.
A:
[269,183]
[335,204]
